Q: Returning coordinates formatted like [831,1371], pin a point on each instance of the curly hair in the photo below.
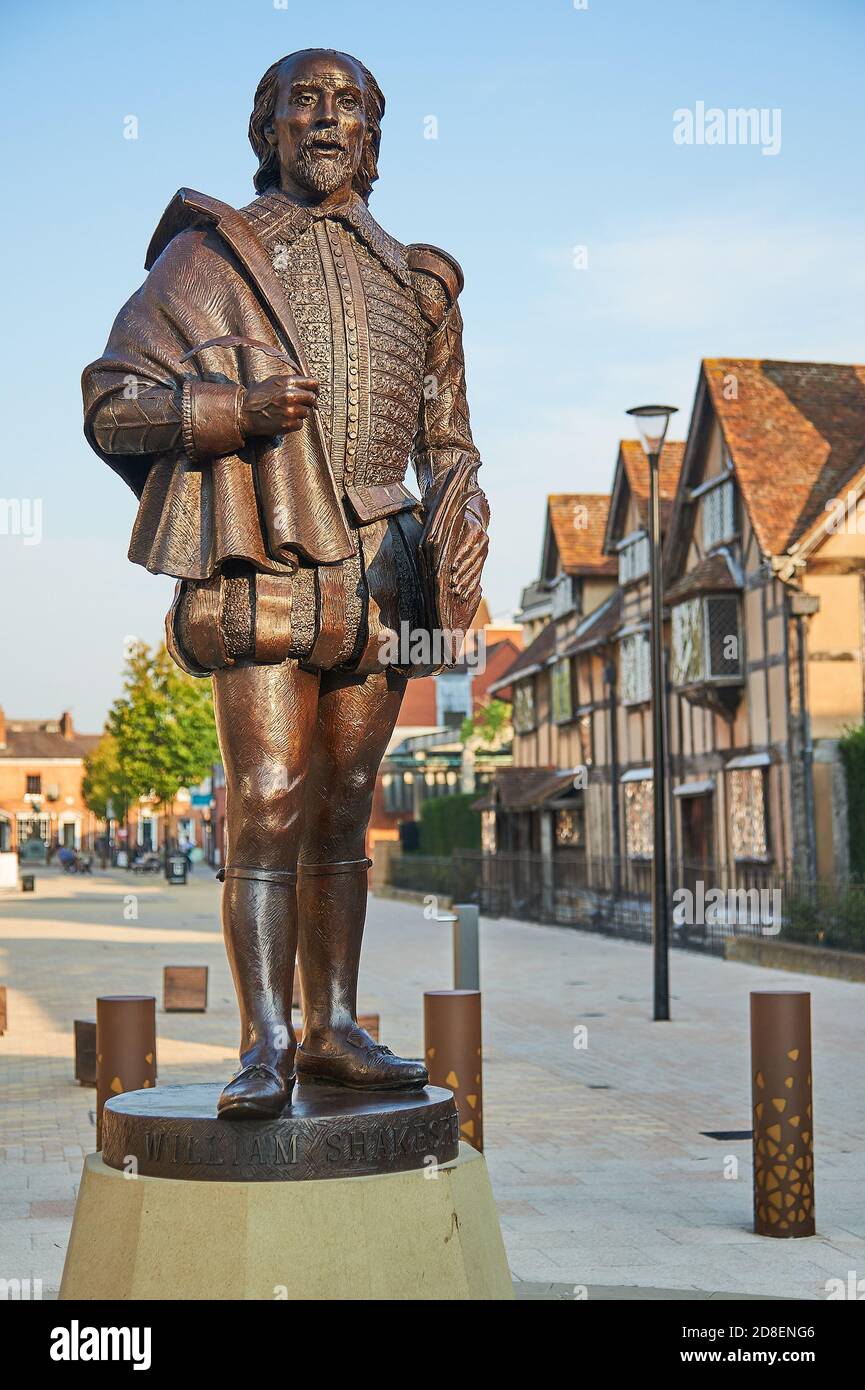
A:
[264,107]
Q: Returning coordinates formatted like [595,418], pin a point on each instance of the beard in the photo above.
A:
[322,174]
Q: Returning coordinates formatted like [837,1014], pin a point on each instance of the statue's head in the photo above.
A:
[316,123]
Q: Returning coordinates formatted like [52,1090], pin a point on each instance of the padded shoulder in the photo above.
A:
[431,260]
[187,208]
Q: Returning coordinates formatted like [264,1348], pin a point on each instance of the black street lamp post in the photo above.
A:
[652,422]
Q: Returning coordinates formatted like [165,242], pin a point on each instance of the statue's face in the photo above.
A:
[319,123]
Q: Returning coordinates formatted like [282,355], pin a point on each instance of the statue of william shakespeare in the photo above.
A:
[261,394]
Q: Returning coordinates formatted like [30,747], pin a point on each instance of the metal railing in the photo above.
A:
[708,903]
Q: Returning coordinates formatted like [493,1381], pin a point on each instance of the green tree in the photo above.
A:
[163,726]
[105,785]
[489,725]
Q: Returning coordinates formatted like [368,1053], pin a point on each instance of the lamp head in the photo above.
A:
[652,422]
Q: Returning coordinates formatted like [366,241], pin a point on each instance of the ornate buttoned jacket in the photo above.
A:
[380,328]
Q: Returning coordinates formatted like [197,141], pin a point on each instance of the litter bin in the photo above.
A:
[176,868]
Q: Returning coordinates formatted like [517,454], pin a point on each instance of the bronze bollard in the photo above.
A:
[452,1052]
[85,1051]
[783,1124]
[125,1047]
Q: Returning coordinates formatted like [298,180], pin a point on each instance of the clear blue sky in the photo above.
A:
[555,130]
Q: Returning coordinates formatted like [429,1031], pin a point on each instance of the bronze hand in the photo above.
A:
[276,405]
[279,404]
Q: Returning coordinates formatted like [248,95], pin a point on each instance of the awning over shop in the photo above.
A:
[525,788]
[747,760]
[637,774]
[694,788]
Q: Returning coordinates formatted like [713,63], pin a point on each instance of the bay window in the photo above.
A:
[706,641]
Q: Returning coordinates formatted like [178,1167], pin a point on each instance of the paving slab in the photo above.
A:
[598,1156]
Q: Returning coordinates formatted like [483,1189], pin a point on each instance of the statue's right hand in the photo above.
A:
[278,404]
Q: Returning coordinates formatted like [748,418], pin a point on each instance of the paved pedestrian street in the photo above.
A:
[604,1175]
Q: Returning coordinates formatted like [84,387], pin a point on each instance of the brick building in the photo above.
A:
[41,767]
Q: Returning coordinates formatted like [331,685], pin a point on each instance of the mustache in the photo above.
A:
[318,138]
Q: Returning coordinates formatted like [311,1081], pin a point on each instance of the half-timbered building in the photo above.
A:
[763,520]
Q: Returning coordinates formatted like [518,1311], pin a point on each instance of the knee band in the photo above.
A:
[343,866]
[285,877]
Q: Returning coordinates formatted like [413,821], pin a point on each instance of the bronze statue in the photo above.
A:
[261,394]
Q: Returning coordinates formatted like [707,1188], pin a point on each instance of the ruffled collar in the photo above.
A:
[275,216]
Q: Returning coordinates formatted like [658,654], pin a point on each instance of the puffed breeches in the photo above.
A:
[326,617]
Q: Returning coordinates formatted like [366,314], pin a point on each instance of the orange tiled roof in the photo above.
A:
[637,472]
[579,521]
[796,433]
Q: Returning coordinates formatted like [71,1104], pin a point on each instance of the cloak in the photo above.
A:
[275,500]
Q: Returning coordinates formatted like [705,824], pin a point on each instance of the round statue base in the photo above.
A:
[430,1233]
[327,1132]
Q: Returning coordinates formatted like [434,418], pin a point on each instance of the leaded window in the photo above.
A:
[584,729]
[524,706]
[719,514]
[635,668]
[562,699]
[569,827]
[634,560]
[564,596]
[639,819]
[687,641]
[722,636]
[748,813]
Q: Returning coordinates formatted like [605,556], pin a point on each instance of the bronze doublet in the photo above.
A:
[354,300]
